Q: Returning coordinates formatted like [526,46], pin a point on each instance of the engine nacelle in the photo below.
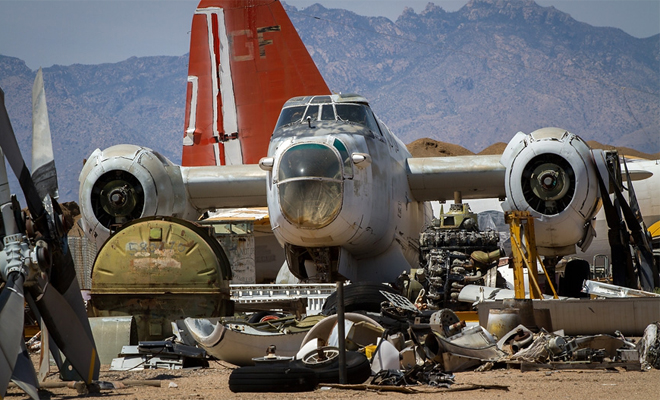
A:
[551,173]
[126,182]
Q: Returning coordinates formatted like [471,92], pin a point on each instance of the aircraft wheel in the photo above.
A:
[358,368]
[361,296]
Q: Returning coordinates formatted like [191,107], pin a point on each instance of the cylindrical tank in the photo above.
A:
[501,322]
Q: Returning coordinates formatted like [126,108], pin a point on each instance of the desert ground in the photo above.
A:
[212,383]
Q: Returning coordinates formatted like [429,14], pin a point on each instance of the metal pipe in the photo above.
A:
[341,332]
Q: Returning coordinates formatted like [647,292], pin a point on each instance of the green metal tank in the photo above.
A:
[160,269]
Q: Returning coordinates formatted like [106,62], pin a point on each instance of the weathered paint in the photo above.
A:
[158,270]
[231,108]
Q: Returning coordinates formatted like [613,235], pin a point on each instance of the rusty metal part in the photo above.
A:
[160,269]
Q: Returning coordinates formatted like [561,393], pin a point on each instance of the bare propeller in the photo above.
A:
[45,261]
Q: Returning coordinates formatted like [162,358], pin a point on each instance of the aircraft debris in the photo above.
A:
[37,266]
[169,269]
[649,347]
[164,354]
[239,342]
[454,252]
[607,290]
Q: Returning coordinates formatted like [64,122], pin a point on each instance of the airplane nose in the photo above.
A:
[310,185]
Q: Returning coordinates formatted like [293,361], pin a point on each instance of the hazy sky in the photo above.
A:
[43,33]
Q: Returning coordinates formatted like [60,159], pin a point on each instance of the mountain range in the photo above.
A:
[472,77]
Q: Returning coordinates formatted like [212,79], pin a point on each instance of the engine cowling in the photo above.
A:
[551,173]
[126,182]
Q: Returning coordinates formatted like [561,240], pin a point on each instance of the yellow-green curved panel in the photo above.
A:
[160,269]
[161,255]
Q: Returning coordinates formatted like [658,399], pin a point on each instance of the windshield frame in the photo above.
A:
[369,120]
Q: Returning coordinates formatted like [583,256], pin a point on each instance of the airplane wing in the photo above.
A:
[124,182]
[475,177]
[437,178]
[229,186]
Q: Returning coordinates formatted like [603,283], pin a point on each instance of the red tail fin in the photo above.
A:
[246,60]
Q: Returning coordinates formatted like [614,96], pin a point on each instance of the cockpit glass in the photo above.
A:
[351,112]
[312,112]
[289,115]
[357,113]
[309,160]
[327,113]
[310,204]
[321,99]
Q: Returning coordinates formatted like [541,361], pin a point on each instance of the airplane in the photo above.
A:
[346,200]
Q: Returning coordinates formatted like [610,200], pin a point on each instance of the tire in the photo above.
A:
[358,368]
[258,316]
[276,378]
[362,296]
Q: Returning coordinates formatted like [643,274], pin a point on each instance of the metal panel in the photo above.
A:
[225,187]
[83,252]
[111,334]
[591,317]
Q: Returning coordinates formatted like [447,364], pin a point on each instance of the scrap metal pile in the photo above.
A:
[400,346]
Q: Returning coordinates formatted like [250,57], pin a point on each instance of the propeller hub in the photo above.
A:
[548,180]
[550,183]
[16,255]
[118,197]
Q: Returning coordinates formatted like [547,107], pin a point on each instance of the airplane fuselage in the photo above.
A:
[338,191]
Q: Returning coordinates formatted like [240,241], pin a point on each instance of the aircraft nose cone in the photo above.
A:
[310,185]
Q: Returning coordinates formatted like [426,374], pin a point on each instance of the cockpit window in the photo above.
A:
[351,112]
[289,115]
[357,113]
[321,99]
[312,112]
[327,113]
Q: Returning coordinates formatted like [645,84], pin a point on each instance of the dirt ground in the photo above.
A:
[212,383]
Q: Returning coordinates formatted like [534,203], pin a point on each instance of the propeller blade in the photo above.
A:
[12,315]
[13,155]
[44,355]
[632,197]
[24,375]
[623,273]
[61,304]
[44,173]
[68,330]
[47,344]
[646,271]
